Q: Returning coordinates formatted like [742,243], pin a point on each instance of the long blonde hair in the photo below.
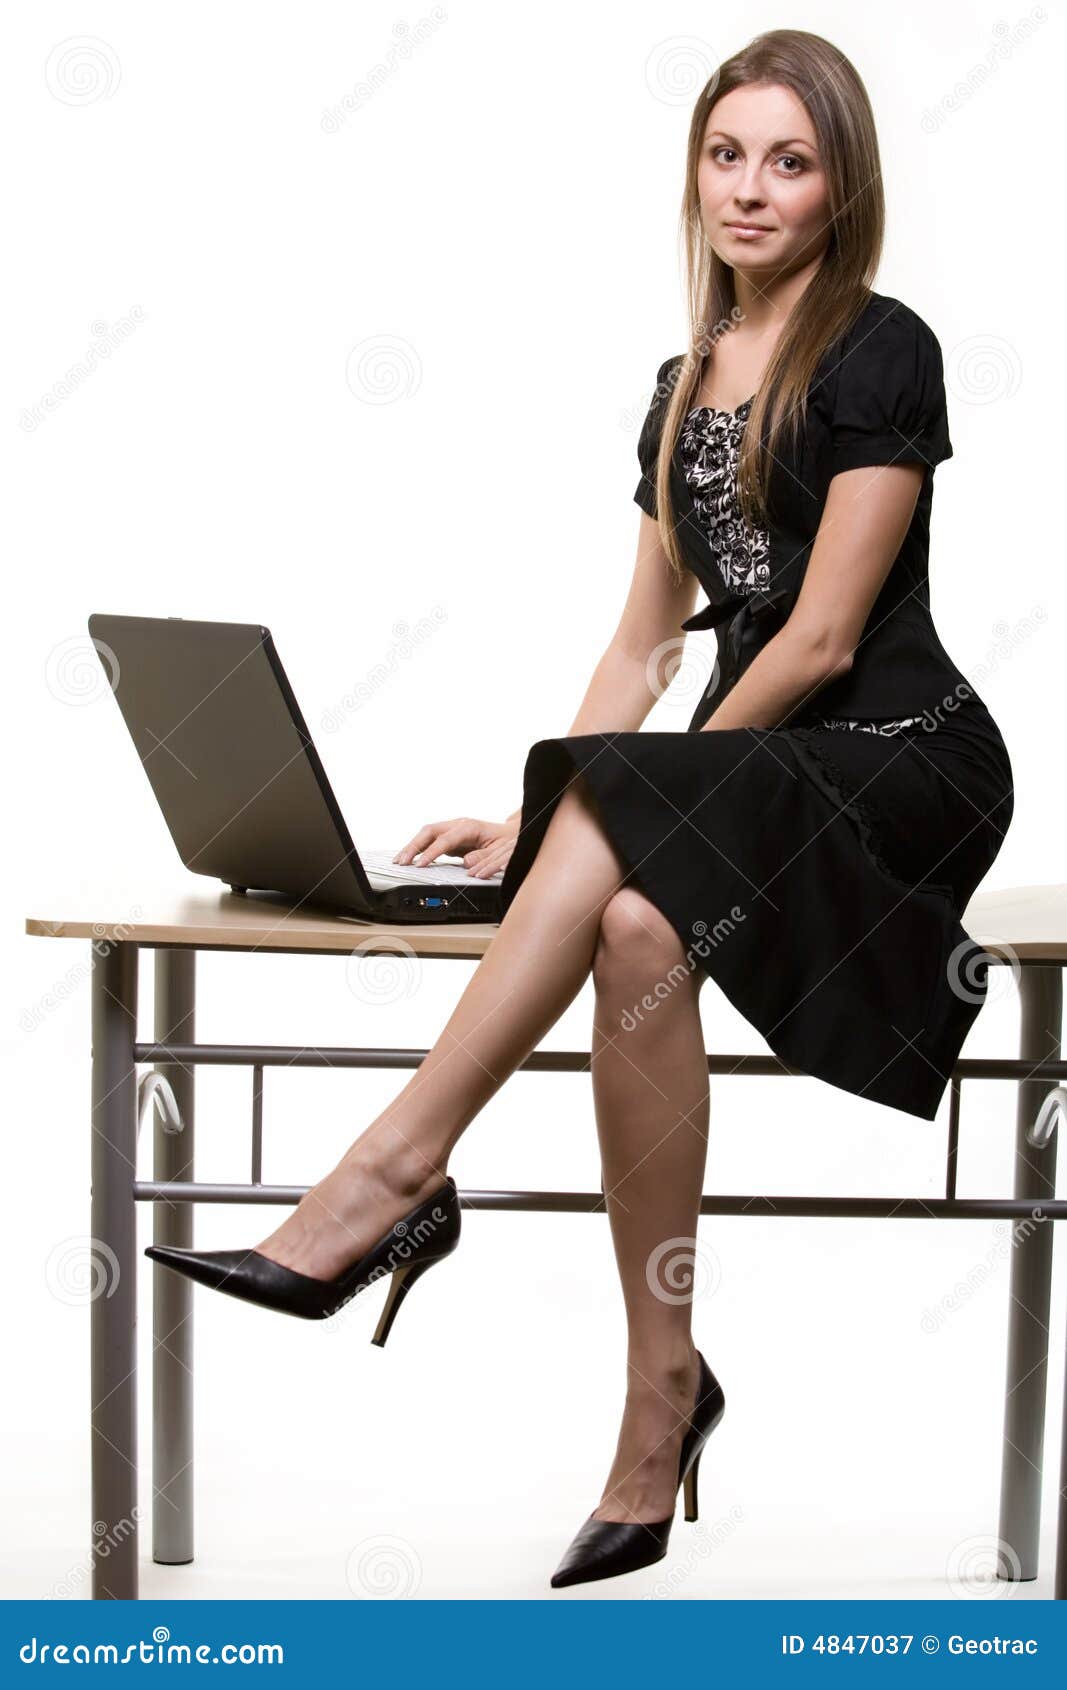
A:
[840,111]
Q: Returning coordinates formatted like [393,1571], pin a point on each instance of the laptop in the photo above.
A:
[240,784]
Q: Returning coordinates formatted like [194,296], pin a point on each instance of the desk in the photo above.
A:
[1025,928]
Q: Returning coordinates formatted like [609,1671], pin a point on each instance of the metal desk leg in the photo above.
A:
[114,1244]
[172,1295]
[1041,1003]
[1060,1587]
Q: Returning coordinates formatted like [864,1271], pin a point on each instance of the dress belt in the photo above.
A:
[752,619]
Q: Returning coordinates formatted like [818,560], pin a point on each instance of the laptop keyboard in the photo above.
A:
[382,871]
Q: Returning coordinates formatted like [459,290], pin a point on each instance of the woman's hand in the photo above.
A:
[484,846]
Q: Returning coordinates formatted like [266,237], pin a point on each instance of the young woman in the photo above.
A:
[810,843]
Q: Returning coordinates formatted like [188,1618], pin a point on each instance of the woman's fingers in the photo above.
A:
[491,860]
[418,843]
[450,838]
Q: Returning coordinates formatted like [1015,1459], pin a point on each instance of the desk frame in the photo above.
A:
[173,1190]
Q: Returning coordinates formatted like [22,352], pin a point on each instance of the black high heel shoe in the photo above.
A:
[604,1548]
[426,1235]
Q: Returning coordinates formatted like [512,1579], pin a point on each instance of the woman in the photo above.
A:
[811,842]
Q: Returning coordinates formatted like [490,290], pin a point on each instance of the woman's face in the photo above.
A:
[759,166]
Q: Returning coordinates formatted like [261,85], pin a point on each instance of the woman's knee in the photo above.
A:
[636,944]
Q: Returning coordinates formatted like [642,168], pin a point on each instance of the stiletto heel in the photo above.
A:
[427,1234]
[399,1286]
[689,1489]
[604,1548]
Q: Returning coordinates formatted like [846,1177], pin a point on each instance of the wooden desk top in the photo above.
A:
[233,921]
[1031,921]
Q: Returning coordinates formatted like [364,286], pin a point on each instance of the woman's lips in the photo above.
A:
[747,231]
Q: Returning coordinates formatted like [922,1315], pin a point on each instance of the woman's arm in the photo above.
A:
[864,521]
[619,697]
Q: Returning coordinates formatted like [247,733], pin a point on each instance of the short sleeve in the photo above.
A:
[648,441]
[890,406]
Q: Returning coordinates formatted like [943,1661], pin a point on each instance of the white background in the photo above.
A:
[496,223]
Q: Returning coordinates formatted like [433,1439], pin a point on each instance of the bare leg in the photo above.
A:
[650,1086]
[535,966]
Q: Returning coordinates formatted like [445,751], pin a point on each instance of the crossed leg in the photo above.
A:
[538,960]
[571,914]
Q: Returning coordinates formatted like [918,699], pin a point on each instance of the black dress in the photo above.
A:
[816,871]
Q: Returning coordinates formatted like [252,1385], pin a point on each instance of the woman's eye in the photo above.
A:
[798,165]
